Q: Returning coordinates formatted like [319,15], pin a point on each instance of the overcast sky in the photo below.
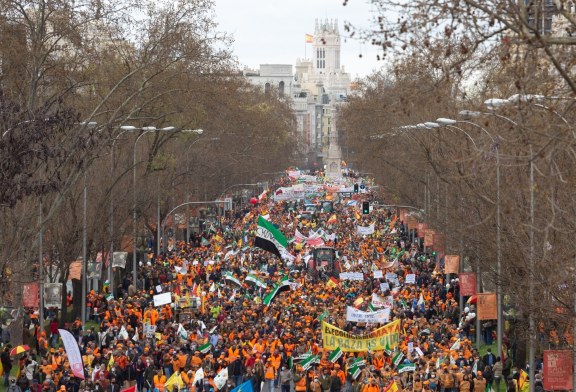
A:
[272,31]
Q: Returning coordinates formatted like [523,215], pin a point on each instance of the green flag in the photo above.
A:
[205,348]
[254,279]
[410,367]
[280,284]
[336,354]
[228,275]
[323,315]
[308,362]
[270,238]
[354,372]
[397,358]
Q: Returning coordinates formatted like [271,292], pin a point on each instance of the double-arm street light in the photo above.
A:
[134,214]
[532,100]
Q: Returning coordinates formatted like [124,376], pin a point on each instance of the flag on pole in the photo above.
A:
[354,372]
[254,279]
[336,354]
[456,345]
[279,285]
[332,282]
[175,380]
[308,362]
[387,350]
[323,315]
[245,387]
[397,358]
[332,219]
[421,300]
[204,348]
[269,238]
[309,38]
[392,387]
[409,367]
[228,276]
[199,375]
[523,379]
[358,362]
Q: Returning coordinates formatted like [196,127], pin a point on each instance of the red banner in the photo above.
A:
[487,306]
[439,243]
[30,295]
[451,264]
[558,371]
[429,237]
[467,282]
[422,227]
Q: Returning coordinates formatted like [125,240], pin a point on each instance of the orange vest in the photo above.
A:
[159,382]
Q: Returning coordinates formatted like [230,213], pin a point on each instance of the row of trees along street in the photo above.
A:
[450,57]
[72,74]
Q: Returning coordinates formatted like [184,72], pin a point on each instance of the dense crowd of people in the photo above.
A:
[217,332]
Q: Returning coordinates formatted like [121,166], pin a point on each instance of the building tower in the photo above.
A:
[326,47]
[333,161]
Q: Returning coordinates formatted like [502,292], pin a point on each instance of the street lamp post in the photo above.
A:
[499,322]
[187,186]
[134,215]
[125,129]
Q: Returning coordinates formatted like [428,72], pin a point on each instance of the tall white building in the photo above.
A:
[324,69]
[317,86]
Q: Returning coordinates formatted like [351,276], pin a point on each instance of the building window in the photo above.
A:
[267,88]
[320,58]
[281,89]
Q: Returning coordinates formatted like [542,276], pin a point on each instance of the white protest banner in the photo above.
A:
[119,259]
[382,302]
[53,295]
[391,276]
[384,286]
[149,330]
[355,315]
[73,353]
[410,279]
[378,274]
[419,351]
[352,276]
[221,378]
[410,347]
[365,230]
[162,299]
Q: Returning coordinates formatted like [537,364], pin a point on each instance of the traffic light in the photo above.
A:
[355,188]
[365,207]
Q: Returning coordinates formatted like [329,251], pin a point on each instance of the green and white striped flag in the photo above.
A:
[283,282]
[354,372]
[306,355]
[371,308]
[269,238]
[397,358]
[387,350]
[409,367]
[254,279]
[228,275]
[336,354]
[205,348]
[323,315]
[308,362]
[358,362]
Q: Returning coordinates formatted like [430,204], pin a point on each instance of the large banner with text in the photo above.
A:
[386,337]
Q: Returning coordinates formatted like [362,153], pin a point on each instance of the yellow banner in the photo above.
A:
[386,337]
